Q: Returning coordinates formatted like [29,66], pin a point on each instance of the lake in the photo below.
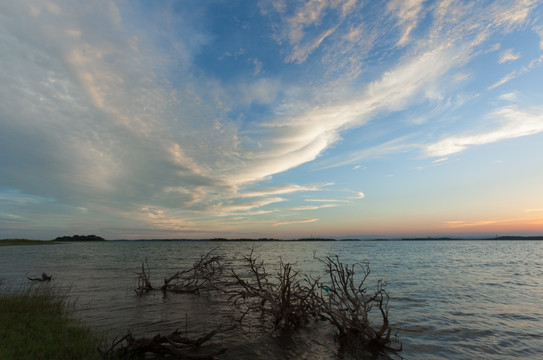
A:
[448,299]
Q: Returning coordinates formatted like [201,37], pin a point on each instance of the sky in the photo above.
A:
[286,119]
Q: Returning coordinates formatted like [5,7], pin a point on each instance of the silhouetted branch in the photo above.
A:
[347,304]
[202,275]
[44,277]
[144,281]
[289,303]
[173,345]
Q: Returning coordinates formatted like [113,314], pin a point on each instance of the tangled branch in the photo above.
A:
[347,305]
[202,275]
[173,345]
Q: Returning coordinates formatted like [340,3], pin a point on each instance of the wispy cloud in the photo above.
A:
[407,13]
[316,207]
[278,190]
[508,56]
[539,30]
[310,15]
[512,75]
[516,123]
[510,96]
[235,207]
[495,222]
[389,147]
[291,222]
[440,160]
[360,195]
[327,200]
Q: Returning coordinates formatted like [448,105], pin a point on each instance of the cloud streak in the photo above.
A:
[517,123]
[292,222]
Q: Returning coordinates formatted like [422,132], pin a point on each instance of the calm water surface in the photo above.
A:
[449,299]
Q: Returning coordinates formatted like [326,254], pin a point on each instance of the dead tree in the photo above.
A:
[347,305]
[288,302]
[288,299]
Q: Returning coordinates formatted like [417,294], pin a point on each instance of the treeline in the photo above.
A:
[270,239]
[80,238]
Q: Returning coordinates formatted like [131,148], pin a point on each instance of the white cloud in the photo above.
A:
[510,96]
[279,190]
[503,80]
[515,14]
[407,13]
[539,31]
[508,56]
[514,74]
[310,15]
[440,160]
[291,222]
[360,195]
[316,207]
[517,123]
[237,207]
[302,51]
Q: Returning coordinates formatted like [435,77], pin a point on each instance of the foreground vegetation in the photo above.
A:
[39,323]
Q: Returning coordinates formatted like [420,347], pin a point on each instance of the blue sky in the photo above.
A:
[195,119]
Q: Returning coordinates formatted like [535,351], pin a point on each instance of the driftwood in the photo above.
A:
[173,346]
[44,277]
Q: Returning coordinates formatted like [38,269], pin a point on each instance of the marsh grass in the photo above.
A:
[39,323]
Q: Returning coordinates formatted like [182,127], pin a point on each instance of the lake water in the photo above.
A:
[448,299]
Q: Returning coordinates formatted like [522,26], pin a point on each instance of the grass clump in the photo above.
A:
[39,323]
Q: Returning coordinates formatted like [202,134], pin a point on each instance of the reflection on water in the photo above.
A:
[449,300]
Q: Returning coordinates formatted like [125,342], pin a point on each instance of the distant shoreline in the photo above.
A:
[513,237]
[17,242]
[24,242]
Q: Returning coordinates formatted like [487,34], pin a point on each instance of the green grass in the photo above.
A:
[39,323]
[14,242]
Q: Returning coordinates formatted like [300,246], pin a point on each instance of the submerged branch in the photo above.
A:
[173,345]
[44,277]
